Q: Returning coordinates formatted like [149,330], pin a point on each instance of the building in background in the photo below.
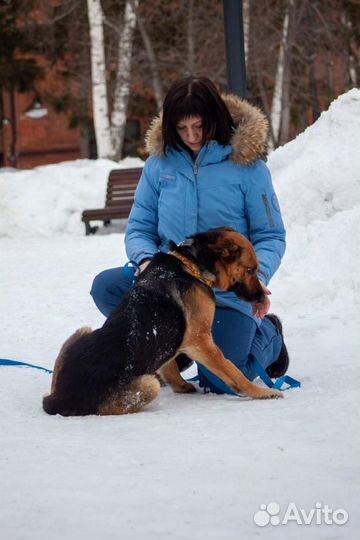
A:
[34,134]
[52,122]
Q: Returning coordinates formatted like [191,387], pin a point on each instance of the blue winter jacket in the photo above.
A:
[226,186]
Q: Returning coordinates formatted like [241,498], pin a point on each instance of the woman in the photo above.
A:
[205,170]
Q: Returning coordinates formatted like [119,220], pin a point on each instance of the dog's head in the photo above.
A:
[232,259]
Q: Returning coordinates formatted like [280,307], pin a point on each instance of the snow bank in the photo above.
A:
[50,199]
[317,179]
[317,175]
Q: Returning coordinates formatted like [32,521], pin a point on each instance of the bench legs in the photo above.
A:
[92,230]
[89,229]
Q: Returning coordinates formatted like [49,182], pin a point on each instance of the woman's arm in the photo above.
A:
[265,224]
[141,239]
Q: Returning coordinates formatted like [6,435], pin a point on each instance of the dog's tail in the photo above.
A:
[52,404]
[83,331]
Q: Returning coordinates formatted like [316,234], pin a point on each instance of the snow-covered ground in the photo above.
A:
[197,466]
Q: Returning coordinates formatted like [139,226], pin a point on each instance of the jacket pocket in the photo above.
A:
[268,210]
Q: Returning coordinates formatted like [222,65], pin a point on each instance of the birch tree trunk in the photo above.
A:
[190,38]
[98,76]
[353,67]
[122,88]
[155,73]
[295,11]
[277,100]
[246,19]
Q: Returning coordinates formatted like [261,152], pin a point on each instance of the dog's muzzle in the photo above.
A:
[245,294]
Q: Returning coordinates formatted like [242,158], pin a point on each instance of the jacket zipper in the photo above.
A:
[196,166]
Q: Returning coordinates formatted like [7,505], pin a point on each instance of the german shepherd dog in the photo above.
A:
[169,311]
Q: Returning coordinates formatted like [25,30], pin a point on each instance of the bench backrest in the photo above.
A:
[121,186]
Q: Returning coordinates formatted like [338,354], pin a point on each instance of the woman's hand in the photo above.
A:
[260,309]
[143,266]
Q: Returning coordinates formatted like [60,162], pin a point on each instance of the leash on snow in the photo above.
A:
[7,362]
[277,385]
[281,383]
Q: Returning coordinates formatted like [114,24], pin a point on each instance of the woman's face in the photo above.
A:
[190,132]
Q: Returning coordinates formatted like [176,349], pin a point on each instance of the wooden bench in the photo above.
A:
[120,192]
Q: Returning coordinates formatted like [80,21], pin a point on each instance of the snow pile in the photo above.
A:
[317,178]
[49,200]
[318,173]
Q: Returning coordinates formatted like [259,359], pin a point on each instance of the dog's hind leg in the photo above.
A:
[133,397]
[60,358]
[170,373]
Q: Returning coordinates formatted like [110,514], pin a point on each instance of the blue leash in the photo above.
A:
[277,385]
[6,362]
[286,380]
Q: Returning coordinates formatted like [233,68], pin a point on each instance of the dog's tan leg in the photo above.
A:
[133,398]
[199,345]
[170,373]
[207,353]
[60,358]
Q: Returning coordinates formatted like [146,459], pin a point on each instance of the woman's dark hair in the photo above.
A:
[195,96]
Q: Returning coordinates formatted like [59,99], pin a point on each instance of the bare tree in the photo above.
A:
[98,75]
[123,78]
[190,37]
[350,19]
[110,129]
[153,62]
[278,94]
[246,19]
[300,55]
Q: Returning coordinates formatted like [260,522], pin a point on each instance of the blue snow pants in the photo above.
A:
[237,335]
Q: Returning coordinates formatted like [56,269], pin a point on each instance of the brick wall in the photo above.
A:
[38,141]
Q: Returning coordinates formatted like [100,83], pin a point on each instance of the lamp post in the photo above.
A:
[13,125]
[37,111]
[235,49]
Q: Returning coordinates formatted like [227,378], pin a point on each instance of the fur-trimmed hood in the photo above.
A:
[249,140]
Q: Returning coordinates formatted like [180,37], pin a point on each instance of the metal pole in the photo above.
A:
[235,49]
[13,149]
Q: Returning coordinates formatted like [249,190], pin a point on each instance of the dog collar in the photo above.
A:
[192,267]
